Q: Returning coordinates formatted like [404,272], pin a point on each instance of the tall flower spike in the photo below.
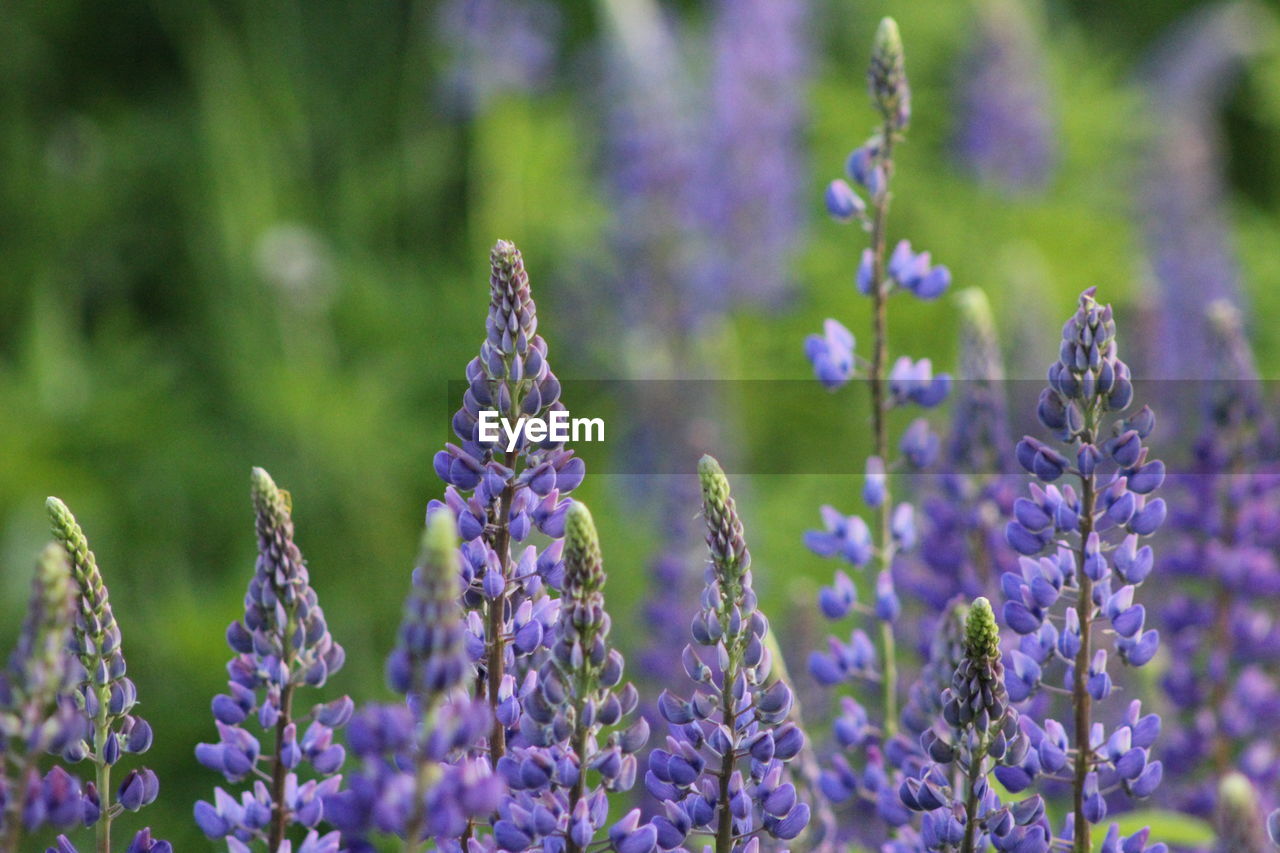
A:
[1226,530]
[561,770]
[105,695]
[736,715]
[1005,132]
[282,644]
[1081,564]
[417,779]
[37,709]
[887,76]
[500,495]
[963,811]
[963,549]
[871,737]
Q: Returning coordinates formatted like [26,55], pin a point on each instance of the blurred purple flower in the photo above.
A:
[1005,134]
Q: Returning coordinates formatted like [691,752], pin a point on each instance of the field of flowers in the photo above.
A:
[936,504]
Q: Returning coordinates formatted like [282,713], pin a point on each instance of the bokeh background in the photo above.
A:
[256,232]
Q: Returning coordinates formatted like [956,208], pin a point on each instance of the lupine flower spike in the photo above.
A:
[983,731]
[736,717]
[962,545]
[282,645]
[105,695]
[1219,622]
[1081,565]
[501,495]
[418,778]
[559,770]
[38,712]
[880,272]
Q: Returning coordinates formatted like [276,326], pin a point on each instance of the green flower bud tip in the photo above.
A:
[84,565]
[715,485]
[583,565]
[888,43]
[65,528]
[1236,793]
[887,75]
[439,552]
[53,582]
[981,635]
[268,499]
[42,645]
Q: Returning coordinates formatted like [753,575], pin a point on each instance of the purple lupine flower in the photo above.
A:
[652,143]
[1218,623]
[981,731]
[963,550]
[559,771]
[749,196]
[501,496]
[1081,559]
[37,709]
[418,776]
[880,755]
[1181,197]
[104,695]
[737,715]
[1005,131]
[494,47]
[282,645]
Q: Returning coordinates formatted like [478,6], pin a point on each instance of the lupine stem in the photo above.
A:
[732,592]
[879,425]
[279,773]
[1080,693]
[496,652]
[971,800]
[579,789]
[724,826]
[103,781]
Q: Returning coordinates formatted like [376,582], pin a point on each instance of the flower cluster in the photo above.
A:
[907,382]
[104,695]
[500,497]
[559,770]
[417,779]
[1082,562]
[37,712]
[514,730]
[1223,640]
[282,644]
[736,716]
[984,730]
[1005,132]
[963,551]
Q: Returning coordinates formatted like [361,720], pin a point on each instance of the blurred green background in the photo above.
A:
[256,232]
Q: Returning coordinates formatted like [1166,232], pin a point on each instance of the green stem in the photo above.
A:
[724,826]
[103,777]
[879,425]
[579,789]
[102,731]
[971,801]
